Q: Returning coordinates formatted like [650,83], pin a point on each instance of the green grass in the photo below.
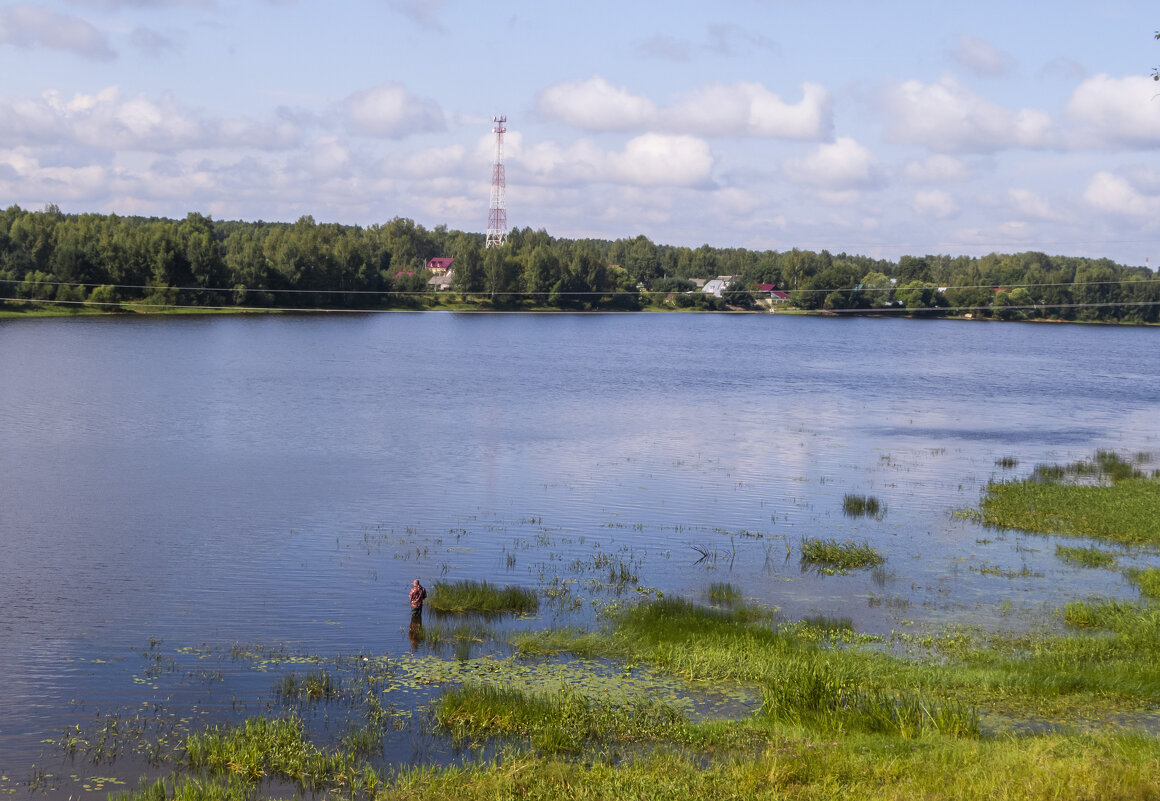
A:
[835,555]
[467,596]
[264,748]
[1124,512]
[855,721]
[1086,557]
[1146,578]
[560,721]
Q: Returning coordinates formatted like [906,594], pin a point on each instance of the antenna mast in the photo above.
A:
[497,210]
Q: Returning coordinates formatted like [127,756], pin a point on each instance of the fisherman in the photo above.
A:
[418,593]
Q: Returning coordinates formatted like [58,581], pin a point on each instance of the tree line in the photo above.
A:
[109,261]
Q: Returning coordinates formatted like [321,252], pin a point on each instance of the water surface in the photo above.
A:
[211,481]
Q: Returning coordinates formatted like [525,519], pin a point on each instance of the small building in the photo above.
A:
[440,264]
[714,287]
[441,282]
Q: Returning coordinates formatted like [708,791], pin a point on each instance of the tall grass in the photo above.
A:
[816,694]
[480,597]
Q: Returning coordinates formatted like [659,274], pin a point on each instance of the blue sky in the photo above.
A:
[885,128]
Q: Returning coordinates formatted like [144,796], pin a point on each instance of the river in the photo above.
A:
[202,481]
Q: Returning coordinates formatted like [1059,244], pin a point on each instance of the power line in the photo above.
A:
[893,287]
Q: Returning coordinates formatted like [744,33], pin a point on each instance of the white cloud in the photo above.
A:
[935,169]
[661,160]
[1030,204]
[33,26]
[1116,111]
[328,156]
[596,105]
[948,117]
[982,57]
[647,160]
[391,112]
[434,162]
[749,109]
[107,121]
[842,166]
[934,203]
[1115,195]
[716,109]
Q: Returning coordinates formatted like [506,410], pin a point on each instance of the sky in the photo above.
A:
[882,128]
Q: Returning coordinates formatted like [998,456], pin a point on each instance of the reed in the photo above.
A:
[862,506]
[479,597]
[722,592]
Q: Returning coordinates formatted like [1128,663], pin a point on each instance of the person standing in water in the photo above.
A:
[415,633]
[418,593]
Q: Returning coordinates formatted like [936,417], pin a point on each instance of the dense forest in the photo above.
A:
[111,263]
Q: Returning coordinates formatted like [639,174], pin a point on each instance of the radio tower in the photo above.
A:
[497,211]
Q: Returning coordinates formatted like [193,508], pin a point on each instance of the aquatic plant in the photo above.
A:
[862,506]
[839,556]
[560,721]
[723,592]
[317,685]
[817,694]
[1146,578]
[1087,557]
[480,597]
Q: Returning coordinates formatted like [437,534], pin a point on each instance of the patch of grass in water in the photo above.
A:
[1086,557]
[722,592]
[839,556]
[317,685]
[1146,578]
[264,748]
[468,596]
[1120,506]
[862,506]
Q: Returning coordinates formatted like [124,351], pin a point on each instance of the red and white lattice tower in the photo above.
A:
[497,210]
